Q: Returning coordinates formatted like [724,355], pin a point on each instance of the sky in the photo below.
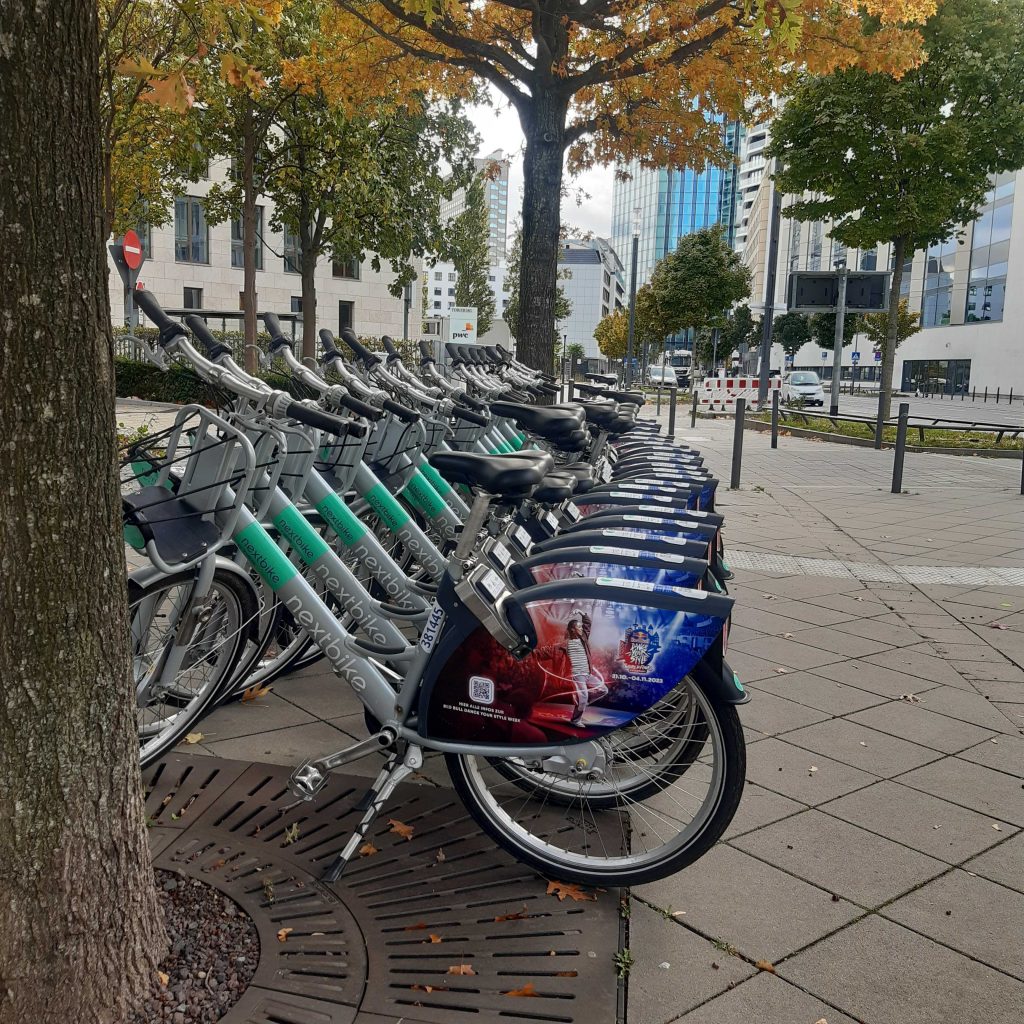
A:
[498,126]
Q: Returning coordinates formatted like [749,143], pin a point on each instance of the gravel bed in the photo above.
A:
[214,950]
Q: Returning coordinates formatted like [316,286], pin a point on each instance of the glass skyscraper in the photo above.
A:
[673,202]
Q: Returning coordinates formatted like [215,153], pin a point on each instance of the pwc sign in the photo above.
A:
[462,324]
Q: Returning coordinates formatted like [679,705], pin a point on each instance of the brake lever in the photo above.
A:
[150,353]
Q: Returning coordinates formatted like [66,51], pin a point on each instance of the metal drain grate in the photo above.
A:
[382,939]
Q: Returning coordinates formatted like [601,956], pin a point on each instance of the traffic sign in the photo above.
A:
[855,356]
[812,292]
[131,246]
[878,356]
[824,356]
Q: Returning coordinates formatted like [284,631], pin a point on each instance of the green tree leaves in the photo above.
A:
[468,243]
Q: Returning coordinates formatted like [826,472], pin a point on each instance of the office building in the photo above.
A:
[191,264]
[594,283]
[495,167]
[967,290]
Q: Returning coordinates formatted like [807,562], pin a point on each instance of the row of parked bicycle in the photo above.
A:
[537,592]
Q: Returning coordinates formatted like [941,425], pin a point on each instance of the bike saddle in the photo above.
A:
[601,413]
[506,476]
[584,474]
[555,487]
[538,418]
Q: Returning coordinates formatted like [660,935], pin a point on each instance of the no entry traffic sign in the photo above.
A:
[131,247]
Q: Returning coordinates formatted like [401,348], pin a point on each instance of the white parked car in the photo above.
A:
[802,387]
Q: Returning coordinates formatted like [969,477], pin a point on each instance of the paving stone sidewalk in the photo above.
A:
[876,861]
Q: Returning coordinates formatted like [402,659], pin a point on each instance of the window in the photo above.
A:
[191,235]
[438,276]
[348,269]
[490,277]
[937,300]
[437,291]
[346,314]
[451,277]
[296,303]
[990,254]
[451,291]
[237,249]
[145,233]
[192,298]
[437,305]
[292,252]
[869,259]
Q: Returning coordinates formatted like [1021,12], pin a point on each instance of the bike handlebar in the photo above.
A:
[273,326]
[389,347]
[202,333]
[169,329]
[369,358]
[317,418]
[403,412]
[469,416]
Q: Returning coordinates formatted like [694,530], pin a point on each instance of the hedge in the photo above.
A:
[178,384]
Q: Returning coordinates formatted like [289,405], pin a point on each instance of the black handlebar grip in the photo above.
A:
[403,412]
[369,358]
[389,347]
[547,389]
[169,329]
[426,352]
[273,326]
[202,333]
[469,416]
[327,342]
[317,418]
[368,412]
[470,402]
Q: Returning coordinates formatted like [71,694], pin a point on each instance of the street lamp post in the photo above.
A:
[628,379]
[837,354]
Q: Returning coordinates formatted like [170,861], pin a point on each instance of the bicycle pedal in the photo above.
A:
[306,781]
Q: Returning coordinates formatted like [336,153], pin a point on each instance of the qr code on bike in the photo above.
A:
[481,690]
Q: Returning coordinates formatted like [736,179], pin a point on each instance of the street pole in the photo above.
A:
[714,351]
[837,353]
[632,313]
[765,360]
[407,305]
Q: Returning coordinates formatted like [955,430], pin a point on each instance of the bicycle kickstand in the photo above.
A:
[371,804]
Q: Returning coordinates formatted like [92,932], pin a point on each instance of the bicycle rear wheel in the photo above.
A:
[168,709]
[598,833]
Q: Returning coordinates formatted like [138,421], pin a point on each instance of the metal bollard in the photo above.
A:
[572,391]
[693,410]
[901,448]
[657,409]
[997,395]
[879,430]
[673,395]
[775,418]
[986,394]
[737,444]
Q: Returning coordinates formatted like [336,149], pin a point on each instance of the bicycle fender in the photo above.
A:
[148,574]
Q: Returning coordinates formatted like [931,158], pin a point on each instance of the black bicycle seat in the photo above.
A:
[584,474]
[601,413]
[507,476]
[538,418]
[555,487]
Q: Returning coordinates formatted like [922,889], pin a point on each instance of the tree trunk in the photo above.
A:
[249,240]
[542,192]
[899,247]
[80,929]
[307,265]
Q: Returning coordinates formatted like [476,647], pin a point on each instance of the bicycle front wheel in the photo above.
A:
[218,628]
[610,830]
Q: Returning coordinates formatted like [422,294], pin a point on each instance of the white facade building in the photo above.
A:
[595,287]
[496,166]
[193,265]
[968,290]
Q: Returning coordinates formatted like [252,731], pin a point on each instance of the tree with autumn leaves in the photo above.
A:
[609,80]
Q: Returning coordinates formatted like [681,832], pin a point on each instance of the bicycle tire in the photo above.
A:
[237,605]
[533,849]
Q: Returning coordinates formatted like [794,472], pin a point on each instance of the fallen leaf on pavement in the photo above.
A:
[283,933]
[910,698]
[254,692]
[400,828]
[291,834]
[368,850]
[574,892]
[435,938]
[764,965]
[440,858]
[418,926]
[422,988]
[998,828]
[164,978]
[522,915]
[787,636]
[194,737]
[997,625]
[464,969]
[811,770]
[526,990]
[821,1021]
